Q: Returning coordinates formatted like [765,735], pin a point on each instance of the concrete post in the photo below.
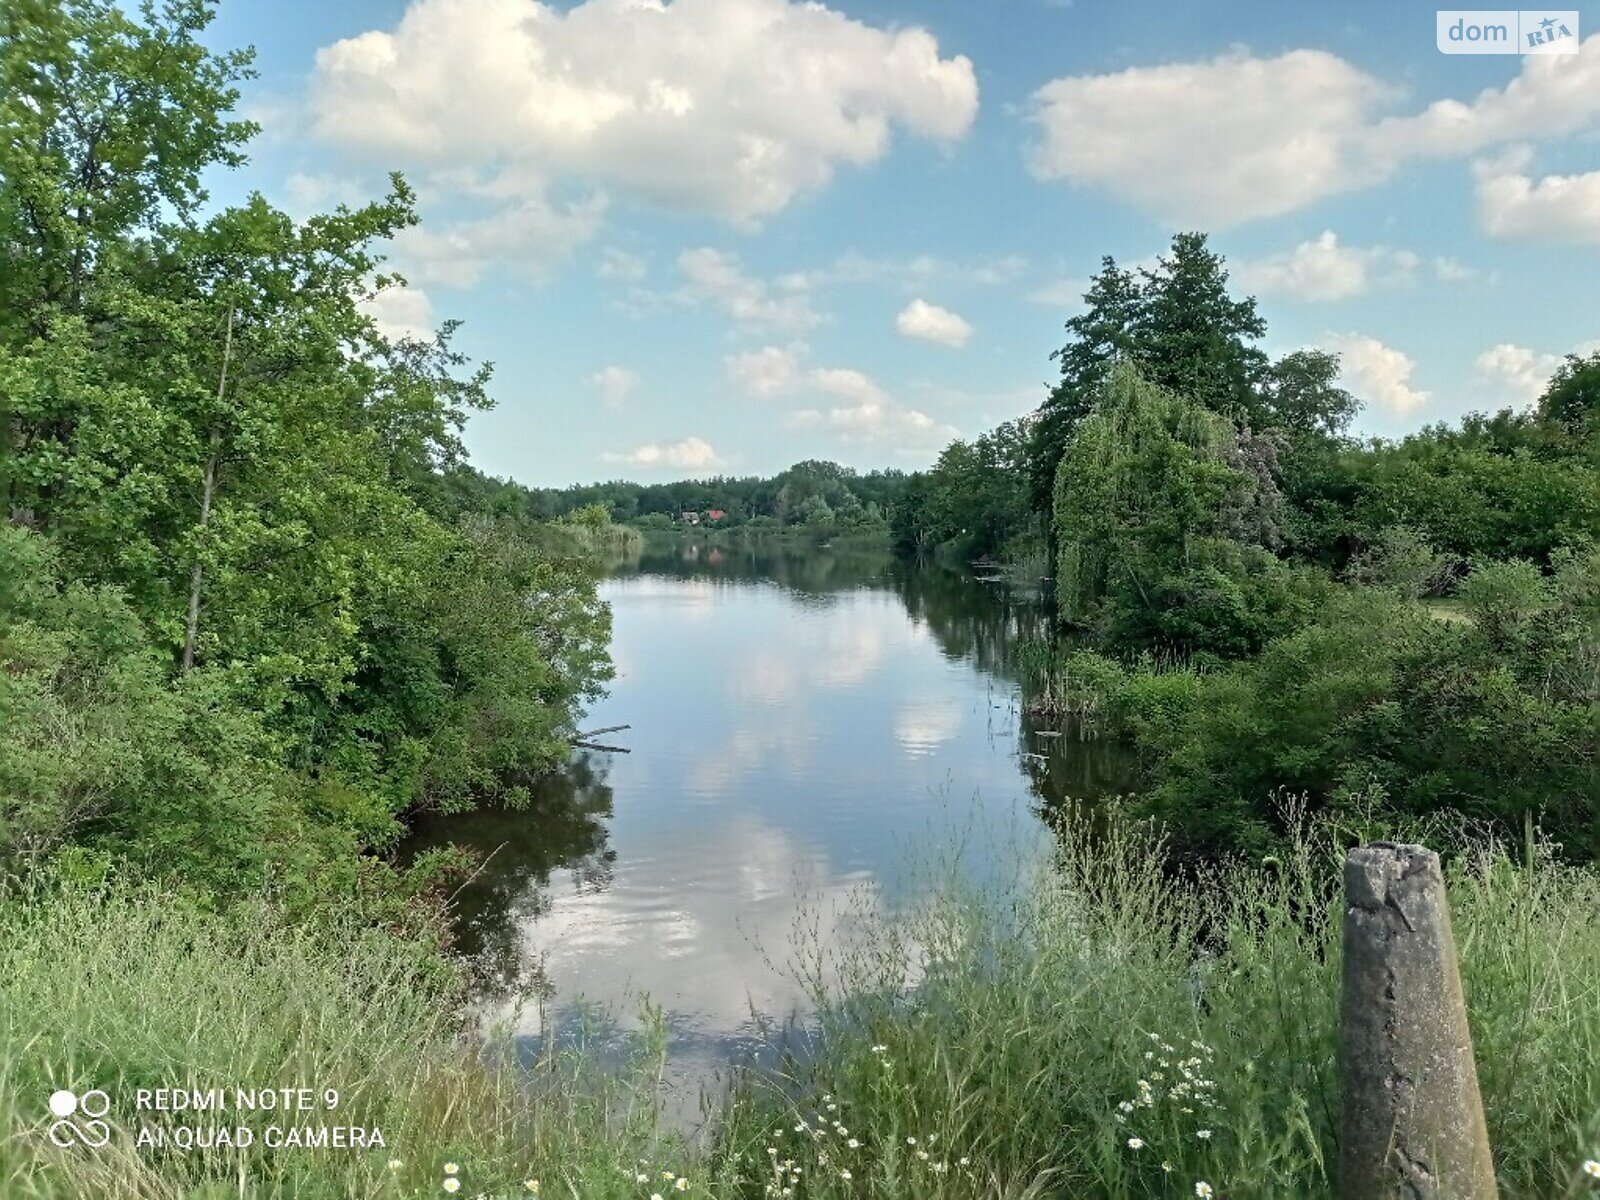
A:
[1412,1122]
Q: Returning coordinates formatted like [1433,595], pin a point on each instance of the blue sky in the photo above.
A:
[723,235]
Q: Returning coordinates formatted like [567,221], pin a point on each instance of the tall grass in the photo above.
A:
[124,988]
[1112,1031]
[1103,1029]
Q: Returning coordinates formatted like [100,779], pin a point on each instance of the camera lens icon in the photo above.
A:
[92,1105]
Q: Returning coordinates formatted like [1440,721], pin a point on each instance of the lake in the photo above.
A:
[801,722]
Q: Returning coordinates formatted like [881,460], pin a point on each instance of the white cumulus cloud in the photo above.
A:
[930,323]
[869,413]
[1516,370]
[727,107]
[1229,139]
[1216,142]
[690,454]
[1514,206]
[769,371]
[907,429]
[1324,269]
[402,312]
[619,264]
[1520,372]
[529,237]
[863,411]
[1376,372]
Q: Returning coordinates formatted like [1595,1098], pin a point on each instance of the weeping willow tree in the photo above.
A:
[1165,513]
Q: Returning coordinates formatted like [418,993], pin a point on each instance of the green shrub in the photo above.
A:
[1152,704]
[1379,700]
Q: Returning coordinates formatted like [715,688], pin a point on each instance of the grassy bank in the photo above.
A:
[1104,1031]
[127,988]
[1078,1044]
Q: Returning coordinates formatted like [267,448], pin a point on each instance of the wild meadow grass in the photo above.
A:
[120,988]
[1109,1030]
[1102,1029]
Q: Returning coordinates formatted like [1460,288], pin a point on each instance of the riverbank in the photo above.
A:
[1113,1032]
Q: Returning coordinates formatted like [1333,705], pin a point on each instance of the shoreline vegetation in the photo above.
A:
[257,612]
[1099,1028]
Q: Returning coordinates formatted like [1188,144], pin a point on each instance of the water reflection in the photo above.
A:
[801,719]
[563,834]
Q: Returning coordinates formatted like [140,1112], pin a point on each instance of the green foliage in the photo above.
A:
[1161,528]
[1301,393]
[973,500]
[1500,487]
[589,516]
[1401,558]
[99,745]
[251,623]
[852,500]
[1177,323]
[110,120]
[1571,402]
[1378,701]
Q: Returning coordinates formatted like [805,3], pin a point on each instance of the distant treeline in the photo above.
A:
[808,493]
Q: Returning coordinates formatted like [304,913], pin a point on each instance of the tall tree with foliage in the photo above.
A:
[1162,518]
[1177,323]
[974,498]
[1571,400]
[1097,337]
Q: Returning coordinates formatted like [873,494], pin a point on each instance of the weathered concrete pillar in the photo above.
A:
[1412,1122]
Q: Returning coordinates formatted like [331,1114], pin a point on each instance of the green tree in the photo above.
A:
[1300,392]
[1157,525]
[1571,401]
[1178,324]
[248,508]
[1096,338]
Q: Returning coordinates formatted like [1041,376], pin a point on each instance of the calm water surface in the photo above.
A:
[802,722]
